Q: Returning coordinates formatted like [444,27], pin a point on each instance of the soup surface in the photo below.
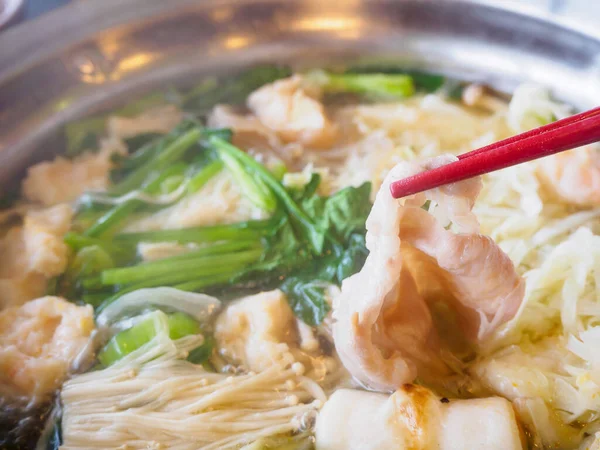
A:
[224,268]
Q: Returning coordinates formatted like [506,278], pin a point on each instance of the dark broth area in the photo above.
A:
[21,425]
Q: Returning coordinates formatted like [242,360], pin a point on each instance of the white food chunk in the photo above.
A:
[287,108]
[219,201]
[488,423]
[152,251]
[257,331]
[414,418]
[249,132]
[161,119]
[64,180]
[43,233]
[38,343]
[32,253]
[19,289]
[531,106]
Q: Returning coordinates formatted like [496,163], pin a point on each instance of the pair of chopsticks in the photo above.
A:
[575,131]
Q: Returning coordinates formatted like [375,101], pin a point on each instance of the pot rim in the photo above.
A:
[24,45]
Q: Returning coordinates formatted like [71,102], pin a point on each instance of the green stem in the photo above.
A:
[203,176]
[118,252]
[209,250]
[170,154]
[253,188]
[121,211]
[201,283]
[312,232]
[95,298]
[374,84]
[181,270]
[113,217]
[240,231]
[92,282]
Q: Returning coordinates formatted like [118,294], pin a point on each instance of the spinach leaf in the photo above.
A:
[306,290]
[83,135]
[352,258]
[139,140]
[200,354]
[307,299]
[343,213]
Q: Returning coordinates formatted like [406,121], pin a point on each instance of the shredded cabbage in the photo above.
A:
[531,106]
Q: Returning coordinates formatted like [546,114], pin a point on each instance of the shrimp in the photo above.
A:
[384,327]
[286,107]
[38,343]
[574,176]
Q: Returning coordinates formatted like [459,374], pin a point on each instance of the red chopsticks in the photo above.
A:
[565,134]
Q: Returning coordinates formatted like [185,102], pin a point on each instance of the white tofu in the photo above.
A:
[413,418]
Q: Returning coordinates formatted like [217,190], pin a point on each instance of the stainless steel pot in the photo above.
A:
[94,55]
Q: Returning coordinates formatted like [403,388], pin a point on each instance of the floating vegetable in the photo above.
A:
[198,306]
[176,325]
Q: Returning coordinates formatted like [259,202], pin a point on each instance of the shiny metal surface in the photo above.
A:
[9,10]
[94,55]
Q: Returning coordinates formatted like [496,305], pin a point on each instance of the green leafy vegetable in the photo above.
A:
[87,263]
[307,299]
[201,354]
[309,242]
[120,253]
[352,258]
[427,82]
[423,81]
[120,212]
[84,135]
[343,213]
[139,140]
[306,291]
[378,85]
[253,188]
[203,176]
[253,229]
[215,260]
[312,232]
[179,143]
